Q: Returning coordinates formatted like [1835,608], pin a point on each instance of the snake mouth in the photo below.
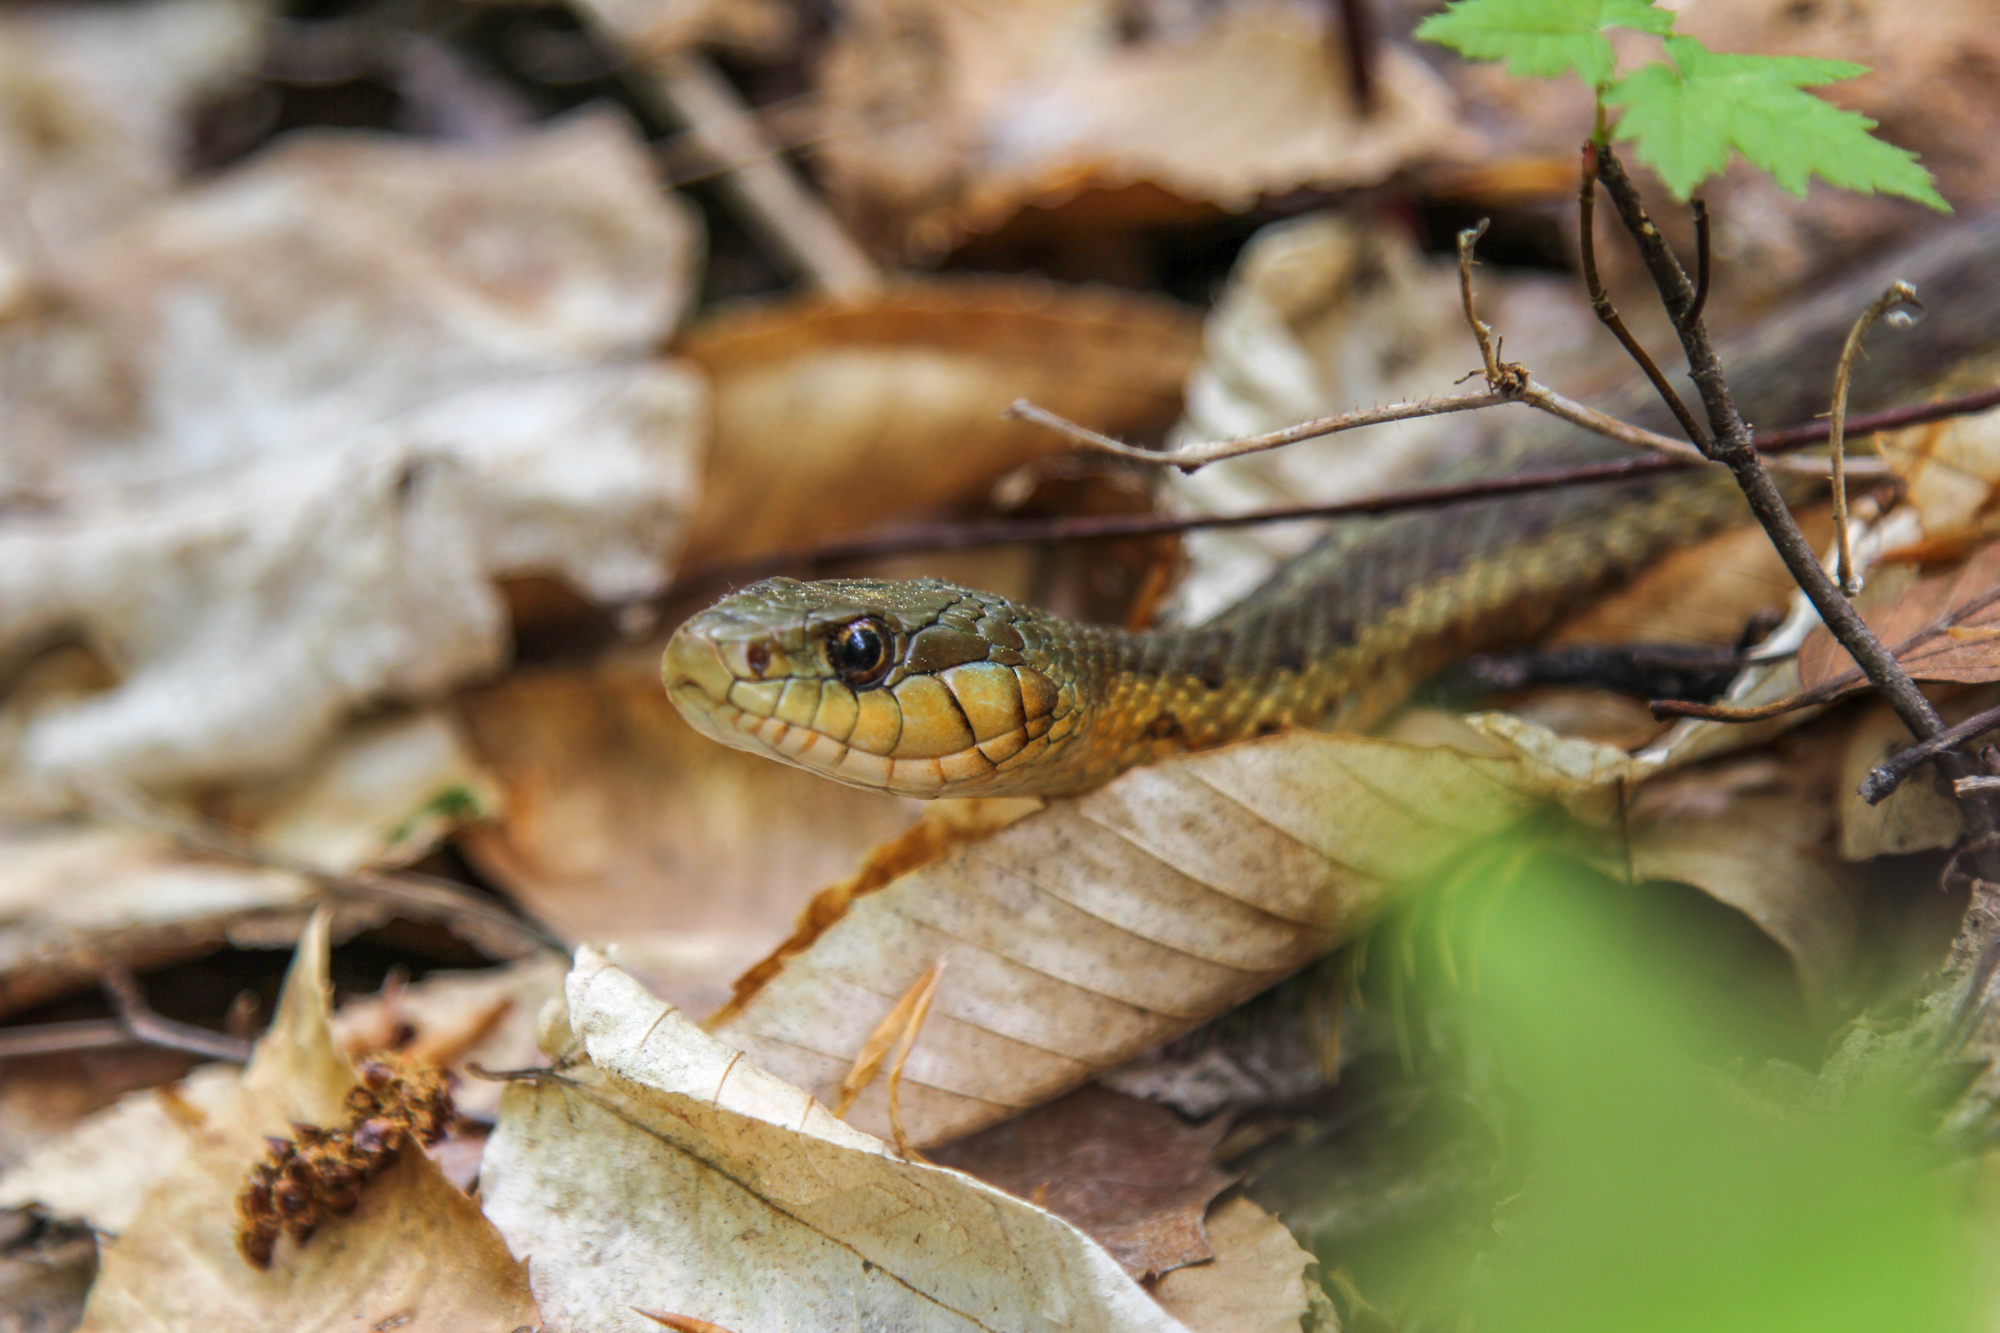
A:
[749,696]
[768,690]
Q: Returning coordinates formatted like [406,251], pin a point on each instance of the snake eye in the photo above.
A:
[858,652]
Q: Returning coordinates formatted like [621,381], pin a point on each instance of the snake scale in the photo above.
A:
[928,689]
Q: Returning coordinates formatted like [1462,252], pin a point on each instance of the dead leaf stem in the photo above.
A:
[921,995]
[423,897]
[1898,294]
[762,184]
[148,1028]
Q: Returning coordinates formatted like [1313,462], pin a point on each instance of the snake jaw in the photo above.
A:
[962,708]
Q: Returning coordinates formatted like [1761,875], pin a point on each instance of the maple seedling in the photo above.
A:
[1683,116]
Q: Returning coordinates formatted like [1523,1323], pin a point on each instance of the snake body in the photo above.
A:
[928,689]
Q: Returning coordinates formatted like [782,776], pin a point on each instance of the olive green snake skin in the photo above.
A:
[928,689]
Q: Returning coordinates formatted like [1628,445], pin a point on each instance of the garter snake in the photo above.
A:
[928,689]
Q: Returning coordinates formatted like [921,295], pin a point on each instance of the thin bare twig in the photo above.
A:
[1888,775]
[83,1034]
[1512,380]
[1361,47]
[422,897]
[1499,378]
[762,184]
[1776,442]
[1190,457]
[1891,418]
[1898,294]
[1107,527]
[1607,313]
[1702,256]
[1099,527]
[1506,382]
[149,1028]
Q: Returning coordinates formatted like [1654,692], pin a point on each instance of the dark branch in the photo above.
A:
[1734,446]
[149,1028]
[1607,313]
[1889,775]
[1702,256]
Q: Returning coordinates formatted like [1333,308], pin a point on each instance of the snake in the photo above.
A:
[926,688]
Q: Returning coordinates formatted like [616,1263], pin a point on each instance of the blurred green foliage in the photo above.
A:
[1642,1184]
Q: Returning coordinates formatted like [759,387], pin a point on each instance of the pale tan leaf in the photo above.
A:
[1950,468]
[381,793]
[91,106]
[832,417]
[1256,1284]
[647,30]
[99,1171]
[416,1251]
[1762,848]
[1916,817]
[1092,931]
[621,824]
[74,895]
[349,386]
[670,1173]
[944,119]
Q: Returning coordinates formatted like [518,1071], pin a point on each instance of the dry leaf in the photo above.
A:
[670,1173]
[45,1097]
[1704,593]
[1899,606]
[1133,1176]
[452,1020]
[72,896]
[621,824]
[944,118]
[1093,931]
[1950,468]
[1762,848]
[415,1254]
[99,1171]
[832,417]
[382,793]
[647,30]
[91,100]
[347,387]
[1916,817]
[1256,1284]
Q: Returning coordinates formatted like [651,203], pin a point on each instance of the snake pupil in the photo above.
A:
[858,652]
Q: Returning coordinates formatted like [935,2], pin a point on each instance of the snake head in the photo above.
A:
[920,688]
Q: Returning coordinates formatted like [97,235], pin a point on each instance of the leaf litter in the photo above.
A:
[415,1249]
[566,786]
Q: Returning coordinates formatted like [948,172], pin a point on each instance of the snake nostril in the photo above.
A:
[758,656]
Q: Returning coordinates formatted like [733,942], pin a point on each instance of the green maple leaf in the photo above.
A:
[1543,38]
[1686,119]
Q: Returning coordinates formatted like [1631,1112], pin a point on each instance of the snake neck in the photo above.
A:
[1341,635]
